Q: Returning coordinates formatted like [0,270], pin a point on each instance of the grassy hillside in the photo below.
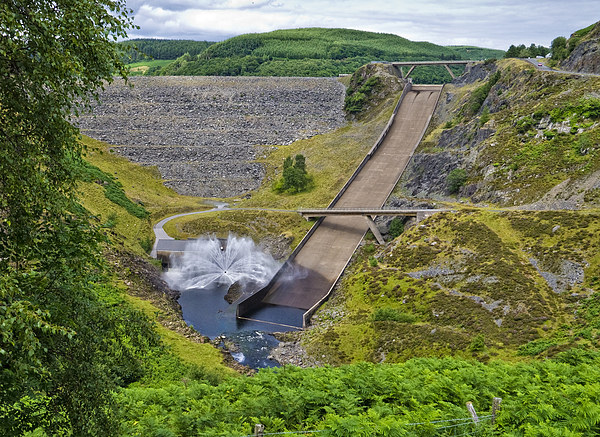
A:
[126,199]
[470,284]
[317,52]
[517,133]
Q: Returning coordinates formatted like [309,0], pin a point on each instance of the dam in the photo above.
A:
[309,275]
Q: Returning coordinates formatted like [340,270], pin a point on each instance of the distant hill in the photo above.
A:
[140,49]
[317,52]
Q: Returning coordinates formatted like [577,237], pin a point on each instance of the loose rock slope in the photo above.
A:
[202,132]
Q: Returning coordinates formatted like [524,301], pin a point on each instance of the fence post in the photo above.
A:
[471,409]
[259,430]
[495,407]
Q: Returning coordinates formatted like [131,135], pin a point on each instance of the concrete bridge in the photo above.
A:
[413,64]
[369,215]
[309,275]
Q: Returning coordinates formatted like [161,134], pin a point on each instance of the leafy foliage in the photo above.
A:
[521,51]
[113,189]
[480,94]
[456,179]
[559,48]
[65,343]
[396,227]
[413,398]
[357,95]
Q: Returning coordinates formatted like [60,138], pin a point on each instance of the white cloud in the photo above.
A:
[495,24]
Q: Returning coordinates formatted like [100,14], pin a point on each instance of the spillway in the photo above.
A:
[312,271]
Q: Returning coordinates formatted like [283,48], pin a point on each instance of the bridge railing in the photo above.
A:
[405,91]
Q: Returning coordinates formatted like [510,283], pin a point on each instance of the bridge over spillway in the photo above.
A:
[311,272]
[414,64]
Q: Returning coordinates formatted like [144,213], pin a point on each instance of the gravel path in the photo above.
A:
[202,132]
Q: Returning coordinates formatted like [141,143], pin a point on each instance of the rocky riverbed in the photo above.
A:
[203,133]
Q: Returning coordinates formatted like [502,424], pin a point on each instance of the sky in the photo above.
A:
[484,23]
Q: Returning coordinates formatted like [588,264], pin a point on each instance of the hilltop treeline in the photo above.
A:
[316,52]
[521,51]
[141,49]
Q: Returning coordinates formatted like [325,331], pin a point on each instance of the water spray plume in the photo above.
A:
[209,261]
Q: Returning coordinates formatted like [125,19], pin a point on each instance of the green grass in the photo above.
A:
[140,68]
[142,186]
[201,354]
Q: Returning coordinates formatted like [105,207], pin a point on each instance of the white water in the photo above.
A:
[208,261]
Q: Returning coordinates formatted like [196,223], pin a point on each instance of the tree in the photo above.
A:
[55,334]
[512,52]
[295,177]
[559,48]
[396,227]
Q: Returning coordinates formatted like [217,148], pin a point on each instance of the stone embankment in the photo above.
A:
[202,132]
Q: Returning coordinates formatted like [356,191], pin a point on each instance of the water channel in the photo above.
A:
[204,274]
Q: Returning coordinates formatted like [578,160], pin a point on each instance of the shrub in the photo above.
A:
[373,261]
[535,347]
[524,124]
[480,94]
[113,190]
[356,98]
[478,343]
[355,102]
[370,248]
[456,179]
[146,244]
[485,116]
[396,227]
[392,315]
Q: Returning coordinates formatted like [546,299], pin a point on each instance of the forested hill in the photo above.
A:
[140,49]
[316,52]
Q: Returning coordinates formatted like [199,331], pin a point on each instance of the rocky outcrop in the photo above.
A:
[585,57]
[458,147]
[202,132]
